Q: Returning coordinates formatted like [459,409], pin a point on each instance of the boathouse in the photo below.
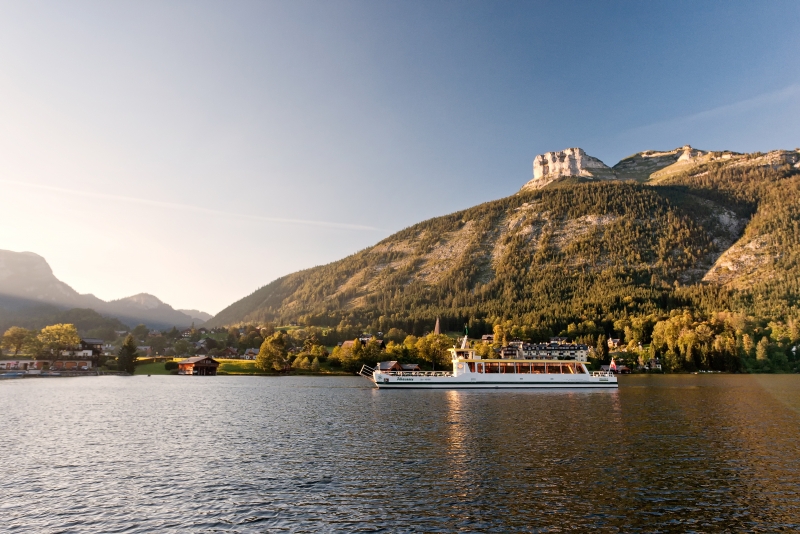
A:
[198,365]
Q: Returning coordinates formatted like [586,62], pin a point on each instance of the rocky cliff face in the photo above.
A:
[648,166]
[552,166]
[642,166]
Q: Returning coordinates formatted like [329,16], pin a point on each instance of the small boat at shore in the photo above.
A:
[15,374]
[470,371]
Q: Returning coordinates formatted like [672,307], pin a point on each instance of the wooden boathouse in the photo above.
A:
[198,365]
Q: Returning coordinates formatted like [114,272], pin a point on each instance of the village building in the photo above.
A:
[389,366]
[364,340]
[619,370]
[230,353]
[654,364]
[17,365]
[250,354]
[545,351]
[198,365]
[83,356]
[71,364]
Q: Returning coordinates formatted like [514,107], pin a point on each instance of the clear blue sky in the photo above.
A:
[198,150]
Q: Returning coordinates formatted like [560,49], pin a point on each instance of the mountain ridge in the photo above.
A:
[27,280]
[658,228]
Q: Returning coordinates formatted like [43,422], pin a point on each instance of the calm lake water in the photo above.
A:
[254,454]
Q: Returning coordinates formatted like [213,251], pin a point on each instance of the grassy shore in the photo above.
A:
[237,367]
[151,369]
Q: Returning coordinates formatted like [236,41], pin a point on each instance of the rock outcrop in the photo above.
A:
[551,166]
[642,166]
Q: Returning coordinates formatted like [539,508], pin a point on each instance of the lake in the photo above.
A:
[309,454]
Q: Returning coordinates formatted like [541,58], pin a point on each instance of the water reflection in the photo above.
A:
[247,454]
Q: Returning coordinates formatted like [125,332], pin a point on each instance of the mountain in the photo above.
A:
[147,309]
[26,277]
[580,241]
[27,283]
[199,317]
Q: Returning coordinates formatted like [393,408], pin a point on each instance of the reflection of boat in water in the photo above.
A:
[471,371]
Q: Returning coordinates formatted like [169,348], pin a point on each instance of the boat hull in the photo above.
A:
[453,382]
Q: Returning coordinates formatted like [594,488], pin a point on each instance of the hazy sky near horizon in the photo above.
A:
[199,150]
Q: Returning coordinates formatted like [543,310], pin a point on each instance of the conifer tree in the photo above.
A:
[762,350]
[127,355]
[601,350]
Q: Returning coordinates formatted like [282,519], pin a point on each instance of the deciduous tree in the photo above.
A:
[58,337]
[272,354]
[14,339]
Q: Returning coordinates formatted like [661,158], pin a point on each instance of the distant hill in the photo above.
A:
[88,322]
[581,240]
[198,316]
[27,283]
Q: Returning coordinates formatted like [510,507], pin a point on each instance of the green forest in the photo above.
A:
[637,275]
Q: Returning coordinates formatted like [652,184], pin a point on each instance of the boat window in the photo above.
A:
[493,367]
[553,368]
[568,368]
[538,368]
[471,367]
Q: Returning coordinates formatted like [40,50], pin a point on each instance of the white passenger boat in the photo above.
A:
[471,371]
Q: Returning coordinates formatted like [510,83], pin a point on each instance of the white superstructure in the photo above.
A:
[471,371]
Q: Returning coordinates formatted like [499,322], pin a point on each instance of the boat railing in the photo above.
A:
[366,371]
[417,373]
[602,373]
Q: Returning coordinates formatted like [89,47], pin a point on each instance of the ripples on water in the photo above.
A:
[253,454]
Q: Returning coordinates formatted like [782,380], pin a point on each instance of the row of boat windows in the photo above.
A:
[525,367]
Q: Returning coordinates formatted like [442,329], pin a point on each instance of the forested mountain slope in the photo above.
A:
[683,228]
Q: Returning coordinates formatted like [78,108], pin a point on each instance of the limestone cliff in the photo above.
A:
[552,166]
[642,166]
